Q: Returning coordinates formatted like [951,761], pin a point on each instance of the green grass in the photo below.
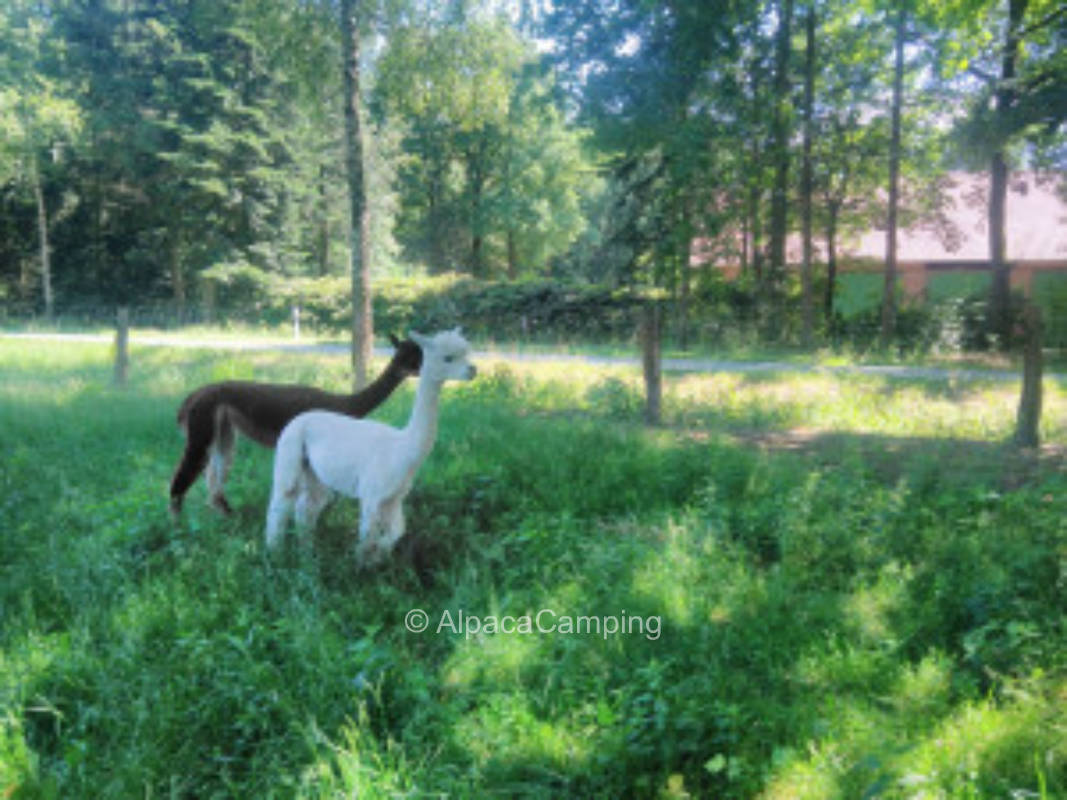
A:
[860,593]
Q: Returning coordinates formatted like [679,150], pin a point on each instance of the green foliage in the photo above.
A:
[721,314]
[538,309]
[591,142]
[493,174]
[1004,111]
[877,610]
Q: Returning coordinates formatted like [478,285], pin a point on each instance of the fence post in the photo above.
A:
[650,360]
[296,320]
[1028,418]
[122,348]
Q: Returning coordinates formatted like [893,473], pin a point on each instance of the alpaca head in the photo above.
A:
[408,355]
[444,356]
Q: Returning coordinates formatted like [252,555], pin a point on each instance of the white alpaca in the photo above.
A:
[321,452]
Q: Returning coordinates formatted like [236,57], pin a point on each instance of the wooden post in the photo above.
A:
[122,345]
[650,360]
[1028,418]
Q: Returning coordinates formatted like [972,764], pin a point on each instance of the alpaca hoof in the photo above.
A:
[369,555]
[175,509]
[220,504]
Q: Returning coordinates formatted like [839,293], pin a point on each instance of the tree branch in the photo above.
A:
[1046,20]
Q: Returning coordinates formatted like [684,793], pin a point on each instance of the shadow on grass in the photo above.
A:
[831,602]
[862,611]
[938,460]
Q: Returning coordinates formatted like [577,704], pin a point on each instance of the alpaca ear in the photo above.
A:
[418,339]
[395,341]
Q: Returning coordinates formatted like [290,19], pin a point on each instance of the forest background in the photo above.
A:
[540,161]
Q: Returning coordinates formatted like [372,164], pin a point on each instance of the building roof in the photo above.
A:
[1036,223]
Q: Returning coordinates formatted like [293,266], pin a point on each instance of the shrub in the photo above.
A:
[539,309]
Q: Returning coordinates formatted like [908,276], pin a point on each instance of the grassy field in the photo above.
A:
[828,586]
[239,336]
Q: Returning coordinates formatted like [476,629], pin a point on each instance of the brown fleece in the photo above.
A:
[260,411]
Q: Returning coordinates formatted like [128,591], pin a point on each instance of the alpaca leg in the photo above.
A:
[286,487]
[312,499]
[221,460]
[286,492]
[370,524]
[199,432]
[394,525]
[301,512]
[193,461]
[281,503]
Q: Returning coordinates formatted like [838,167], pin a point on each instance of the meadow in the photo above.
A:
[859,591]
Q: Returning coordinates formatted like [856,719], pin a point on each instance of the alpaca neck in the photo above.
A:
[421,430]
[374,393]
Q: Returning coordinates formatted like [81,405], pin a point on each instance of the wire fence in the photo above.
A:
[559,316]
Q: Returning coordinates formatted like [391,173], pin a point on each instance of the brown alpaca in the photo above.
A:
[209,415]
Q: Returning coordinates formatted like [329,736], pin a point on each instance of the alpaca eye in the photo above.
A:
[449,359]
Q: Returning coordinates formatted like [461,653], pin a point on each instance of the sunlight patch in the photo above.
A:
[505,730]
[496,660]
[869,608]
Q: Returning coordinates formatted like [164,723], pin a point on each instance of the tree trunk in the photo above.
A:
[683,249]
[807,179]
[1000,289]
[889,292]
[685,295]
[754,223]
[434,213]
[324,225]
[744,241]
[780,192]
[650,361]
[42,236]
[476,176]
[831,265]
[177,277]
[359,223]
[1028,419]
[756,230]
[477,261]
[122,346]
[513,256]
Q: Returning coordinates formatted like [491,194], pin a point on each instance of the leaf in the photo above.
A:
[716,764]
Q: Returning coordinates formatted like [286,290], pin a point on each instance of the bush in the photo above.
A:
[538,309]
[917,329]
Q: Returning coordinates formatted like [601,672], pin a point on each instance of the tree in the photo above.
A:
[1028,417]
[181,171]
[657,83]
[1015,50]
[807,173]
[362,320]
[38,121]
[493,170]
[751,167]
[847,175]
[780,133]
[889,292]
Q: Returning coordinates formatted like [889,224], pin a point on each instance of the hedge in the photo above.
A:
[534,308]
